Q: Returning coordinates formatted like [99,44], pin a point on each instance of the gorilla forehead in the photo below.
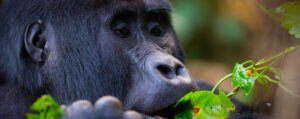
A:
[148,4]
[156,2]
[152,3]
[96,12]
[116,3]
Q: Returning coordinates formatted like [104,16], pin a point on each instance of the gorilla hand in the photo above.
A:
[107,107]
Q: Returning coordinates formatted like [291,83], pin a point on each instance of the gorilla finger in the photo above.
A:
[63,107]
[132,115]
[108,107]
[81,109]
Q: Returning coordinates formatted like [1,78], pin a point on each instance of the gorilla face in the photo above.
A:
[74,49]
[141,34]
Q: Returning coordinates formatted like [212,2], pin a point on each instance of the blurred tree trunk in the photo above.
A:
[287,106]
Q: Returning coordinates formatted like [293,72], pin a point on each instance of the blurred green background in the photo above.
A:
[215,34]
[204,25]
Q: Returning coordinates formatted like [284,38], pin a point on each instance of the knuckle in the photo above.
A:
[132,115]
[108,102]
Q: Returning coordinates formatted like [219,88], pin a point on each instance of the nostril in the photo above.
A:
[166,71]
[179,70]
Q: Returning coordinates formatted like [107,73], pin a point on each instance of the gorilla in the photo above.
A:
[87,49]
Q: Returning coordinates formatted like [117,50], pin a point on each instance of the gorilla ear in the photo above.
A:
[35,41]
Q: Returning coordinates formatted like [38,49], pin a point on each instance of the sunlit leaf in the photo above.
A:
[241,79]
[46,107]
[204,105]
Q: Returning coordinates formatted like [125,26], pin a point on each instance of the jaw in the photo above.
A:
[153,96]
[156,100]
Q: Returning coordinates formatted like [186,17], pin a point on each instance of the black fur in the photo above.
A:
[85,57]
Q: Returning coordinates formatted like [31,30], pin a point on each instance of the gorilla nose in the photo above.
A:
[171,72]
[168,68]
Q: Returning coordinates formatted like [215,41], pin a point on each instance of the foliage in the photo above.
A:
[46,107]
[244,78]
[204,105]
[288,15]
[207,105]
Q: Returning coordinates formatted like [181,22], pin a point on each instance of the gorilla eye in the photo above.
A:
[122,29]
[155,29]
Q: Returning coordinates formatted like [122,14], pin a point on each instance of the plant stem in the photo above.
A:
[233,92]
[288,91]
[281,86]
[247,62]
[271,80]
[266,68]
[260,68]
[223,79]
[279,55]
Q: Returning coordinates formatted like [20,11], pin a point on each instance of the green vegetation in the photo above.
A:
[288,15]
[46,108]
[210,105]
[204,105]
[207,105]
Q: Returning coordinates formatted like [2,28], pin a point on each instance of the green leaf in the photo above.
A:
[241,79]
[46,107]
[204,105]
[288,14]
